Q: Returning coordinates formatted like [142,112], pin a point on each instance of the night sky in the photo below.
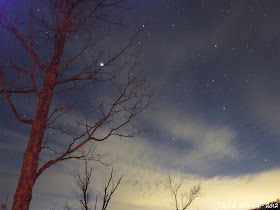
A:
[215,68]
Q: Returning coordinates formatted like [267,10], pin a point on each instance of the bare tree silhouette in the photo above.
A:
[109,188]
[83,183]
[186,197]
[84,193]
[57,75]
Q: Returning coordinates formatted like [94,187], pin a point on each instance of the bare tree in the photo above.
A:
[109,188]
[57,74]
[84,195]
[186,197]
[83,181]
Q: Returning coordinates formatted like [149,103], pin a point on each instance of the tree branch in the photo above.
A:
[7,95]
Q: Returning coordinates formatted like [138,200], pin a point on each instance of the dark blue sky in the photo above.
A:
[218,61]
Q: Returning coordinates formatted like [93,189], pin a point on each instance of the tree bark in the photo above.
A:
[28,175]
[31,156]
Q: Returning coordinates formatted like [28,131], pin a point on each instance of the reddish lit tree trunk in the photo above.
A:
[28,175]
[31,156]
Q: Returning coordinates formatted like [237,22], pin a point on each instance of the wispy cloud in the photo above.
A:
[207,141]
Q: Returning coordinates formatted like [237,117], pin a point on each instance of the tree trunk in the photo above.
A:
[31,156]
